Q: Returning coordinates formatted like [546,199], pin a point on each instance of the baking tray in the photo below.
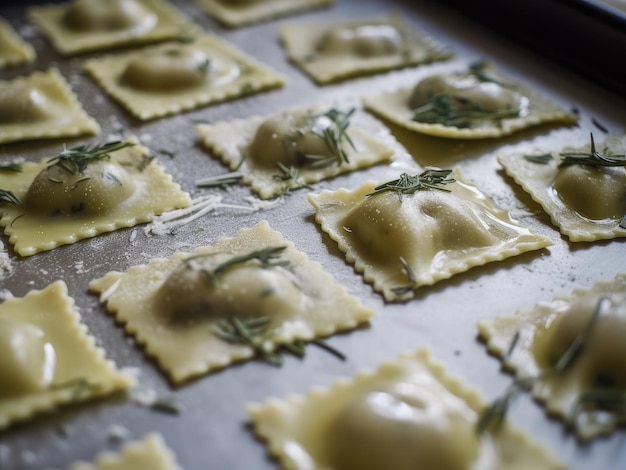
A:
[212,430]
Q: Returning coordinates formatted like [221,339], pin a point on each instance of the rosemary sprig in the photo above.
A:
[15,167]
[495,413]
[453,111]
[593,157]
[334,136]
[256,333]
[166,405]
[410,274]
[75,160]
[431,178]
[227,179]
[268,257]
[8,197]
[543,159]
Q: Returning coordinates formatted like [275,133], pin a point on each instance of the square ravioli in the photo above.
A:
[48,358]
[13,49]
[475,103]
[329,52]
[151,453]
[41,106]
[409,413]
[83,192]
[418,230]
[80,26]
[573,348]
[184,308]
[236,13]
[180,76]
[583,190]
[294,148]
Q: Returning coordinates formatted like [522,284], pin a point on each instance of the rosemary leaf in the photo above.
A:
[166,404]
[221,180]
[593,157]
[431,178]
[8,197]
[15,167]
[541,159]
[456,111]
[75,160]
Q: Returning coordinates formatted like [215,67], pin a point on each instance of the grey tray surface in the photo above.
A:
[212,431]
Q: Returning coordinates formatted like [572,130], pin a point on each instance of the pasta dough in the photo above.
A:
[404,241]
[89,25]
[336,51]
[13,49]
[65,199]
[236,13]
[173,306]
[48,358]
[407,414]
[475,103]
[297,147]
[586,202]
[41,106]
[597,317]
[151,453]
[175,77]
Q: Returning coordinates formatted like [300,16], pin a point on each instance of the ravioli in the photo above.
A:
[405,239]
[151,453]
[41,106]
[475,103]
[337,51]
[586,198]
[409,413]
[594,316]
[236,13]
[175,77]
[83,192]
[82,26]
[48,358]
[176,307]
[13,49]
[294,148]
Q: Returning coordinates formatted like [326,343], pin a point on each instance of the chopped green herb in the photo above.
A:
[8,197]
[221,180]
[15,167]
[599,125]
[268,257]
[255,332]
[431,178]
[205,66]
[593,157]
[541,159]
[76,159]
[166,404]
[458,112]
[334,136]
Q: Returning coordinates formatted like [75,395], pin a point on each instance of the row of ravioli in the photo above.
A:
[429,205]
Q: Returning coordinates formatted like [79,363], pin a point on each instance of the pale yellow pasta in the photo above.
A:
[173,306]
[48,357]
[79,26]
[475,103]
[59,204]
[235,13]
[41,106]
[175,77]
[586,202]
[409,413]
[401,242]
[595,317]
[329,52]
[13,49]
[151,453]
